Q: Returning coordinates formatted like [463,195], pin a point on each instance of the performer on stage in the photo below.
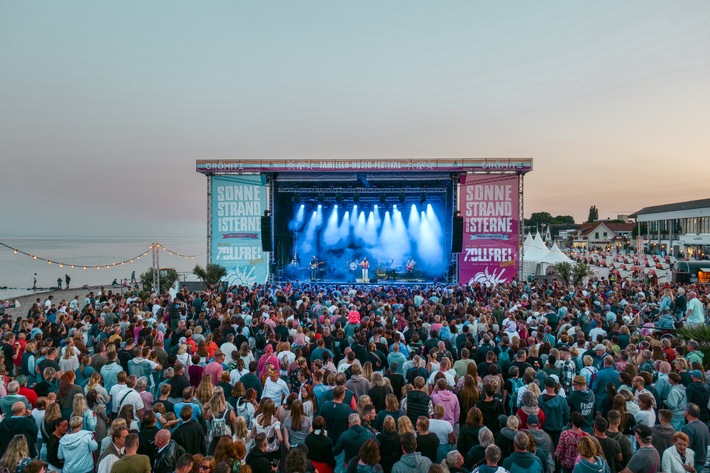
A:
[365,265]
[392,269]
[314,268]
[410,265]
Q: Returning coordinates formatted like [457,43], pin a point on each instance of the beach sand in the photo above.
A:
[59,295]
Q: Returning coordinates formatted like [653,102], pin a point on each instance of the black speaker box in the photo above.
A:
[266,234]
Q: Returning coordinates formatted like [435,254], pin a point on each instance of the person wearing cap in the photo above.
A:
[543,441]
[698,433]
[556,411]
[646,459]
[698,393]
[607,374]
[599,355]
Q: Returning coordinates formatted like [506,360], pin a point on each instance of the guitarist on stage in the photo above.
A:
[410,265]
[314,268]
[365,265]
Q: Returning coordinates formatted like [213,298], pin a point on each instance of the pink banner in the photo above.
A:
[489,207]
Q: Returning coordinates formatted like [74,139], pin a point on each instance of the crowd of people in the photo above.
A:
[535,377]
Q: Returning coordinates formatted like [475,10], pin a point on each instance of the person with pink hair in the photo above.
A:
[268,358]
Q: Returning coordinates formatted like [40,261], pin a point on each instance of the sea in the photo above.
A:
[17,271]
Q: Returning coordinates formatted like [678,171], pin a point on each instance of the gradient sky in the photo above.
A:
[105,106]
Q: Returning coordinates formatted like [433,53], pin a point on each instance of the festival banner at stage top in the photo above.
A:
[489,207]
[238,202]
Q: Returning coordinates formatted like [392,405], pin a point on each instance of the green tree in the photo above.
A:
[211,274]
[593,214]
[564,220]
[539,218]
[563,271]
[580,271]
[167,279]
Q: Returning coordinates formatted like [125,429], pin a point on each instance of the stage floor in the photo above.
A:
[380,282]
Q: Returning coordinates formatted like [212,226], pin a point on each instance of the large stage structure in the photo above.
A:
[365,221]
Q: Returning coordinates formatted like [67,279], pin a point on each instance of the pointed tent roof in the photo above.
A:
[557,256]
[528,242]
[537,252]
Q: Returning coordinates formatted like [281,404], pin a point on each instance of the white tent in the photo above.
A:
[528,242]
[536,252]
[556,256]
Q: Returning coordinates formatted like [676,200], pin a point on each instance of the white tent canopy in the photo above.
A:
[536,252]
[555,256]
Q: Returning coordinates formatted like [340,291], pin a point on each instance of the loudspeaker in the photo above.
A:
[457,235]
[266,234]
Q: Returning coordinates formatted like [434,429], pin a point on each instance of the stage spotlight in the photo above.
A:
[422,198]
[401,197]
[356,197]
[383,197]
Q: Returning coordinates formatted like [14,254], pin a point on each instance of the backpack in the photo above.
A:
[260,339]
[220,427]
[592,370]
[517,384]
[504,360]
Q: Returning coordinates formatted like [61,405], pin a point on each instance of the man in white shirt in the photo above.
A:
[275,388]
[695,315]
[228,347]
[130,396]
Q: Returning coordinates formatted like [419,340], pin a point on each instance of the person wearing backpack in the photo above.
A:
[511,388]
[221,420]
[503,354]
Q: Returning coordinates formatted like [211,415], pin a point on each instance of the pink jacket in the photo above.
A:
[450,402]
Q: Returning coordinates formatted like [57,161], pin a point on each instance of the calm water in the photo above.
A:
[17,270]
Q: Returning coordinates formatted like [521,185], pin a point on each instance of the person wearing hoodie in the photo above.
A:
[676,401]
[543,442]
[522,461]
[358,384]
[442,396]
[589,462]
[352,439]
[581,400]
[505,438]
[556,410]
[663,432]
[76,448]
[698,393]
[411,461]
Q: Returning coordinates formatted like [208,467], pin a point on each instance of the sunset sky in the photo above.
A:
[106,106]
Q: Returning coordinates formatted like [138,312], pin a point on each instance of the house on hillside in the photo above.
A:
[603,234]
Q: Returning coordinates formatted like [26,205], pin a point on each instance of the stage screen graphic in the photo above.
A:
[238,202]
[489,206]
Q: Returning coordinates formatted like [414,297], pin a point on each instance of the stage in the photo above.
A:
[398,221]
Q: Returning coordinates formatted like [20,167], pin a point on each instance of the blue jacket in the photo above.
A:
[75,449]
[604,376]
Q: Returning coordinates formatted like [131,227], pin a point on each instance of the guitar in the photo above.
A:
[410,266]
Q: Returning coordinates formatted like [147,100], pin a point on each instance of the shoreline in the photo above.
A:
[26,301]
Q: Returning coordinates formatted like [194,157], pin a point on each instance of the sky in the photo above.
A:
[106,106]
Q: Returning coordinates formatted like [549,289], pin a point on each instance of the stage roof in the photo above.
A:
[383,165]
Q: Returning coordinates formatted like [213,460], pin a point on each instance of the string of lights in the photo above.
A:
[95,266]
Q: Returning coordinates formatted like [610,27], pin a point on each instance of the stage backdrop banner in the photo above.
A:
[238,202]
[489,206]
